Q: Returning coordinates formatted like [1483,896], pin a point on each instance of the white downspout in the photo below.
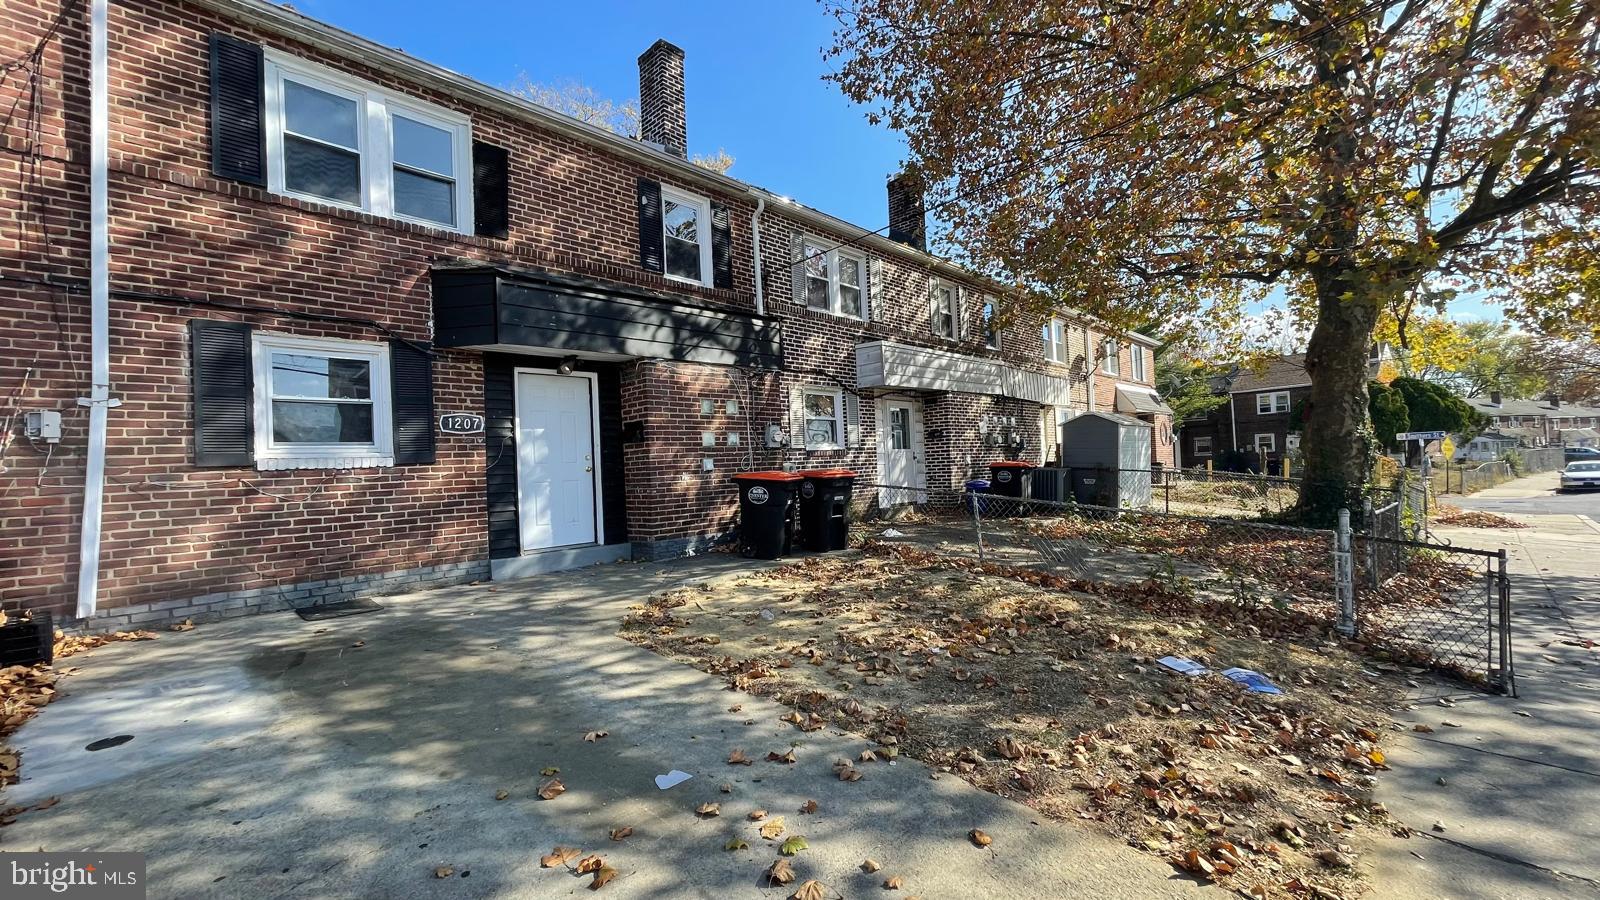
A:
[755,251]
[1090,363]
[99,399]
[1233,417]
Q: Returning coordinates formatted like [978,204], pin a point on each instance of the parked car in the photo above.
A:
[1580,476]
[1579,454]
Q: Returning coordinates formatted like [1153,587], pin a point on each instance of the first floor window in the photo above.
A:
[336,139]
[1266,443]
[824,413]
[321,399]
[1202,445]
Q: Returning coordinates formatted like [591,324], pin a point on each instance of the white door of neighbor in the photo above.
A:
[900,453]
[555,460]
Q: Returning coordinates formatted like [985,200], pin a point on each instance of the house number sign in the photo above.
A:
[461,423]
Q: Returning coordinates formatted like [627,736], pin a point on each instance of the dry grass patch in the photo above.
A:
[1047,691]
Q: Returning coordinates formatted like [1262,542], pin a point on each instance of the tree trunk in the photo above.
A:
[1337,442]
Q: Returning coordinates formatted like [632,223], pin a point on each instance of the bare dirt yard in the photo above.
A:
[1047,690]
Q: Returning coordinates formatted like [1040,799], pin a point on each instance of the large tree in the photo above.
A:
[1170,159]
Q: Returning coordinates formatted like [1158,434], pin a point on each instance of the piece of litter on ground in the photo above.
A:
[1255,682]
[768,614]
[1182,665]
[672,779]
[893,533]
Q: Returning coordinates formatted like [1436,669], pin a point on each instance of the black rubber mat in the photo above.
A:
[338,610]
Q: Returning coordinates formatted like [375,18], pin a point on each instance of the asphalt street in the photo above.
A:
[1539,499]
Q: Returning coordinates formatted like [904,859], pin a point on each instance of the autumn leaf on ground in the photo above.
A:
[560,856]
[501,795]
[551,789]
[757,815]
[188,625]
[780,872]
[737,758]
[786,758]
[442,871]
[618,834]
[736,843]
[772,828]
[793,844]
[602,877]
[708,809]
[808,807]
[893,883]
[590,863]
[548,771]
[811,890]
[978,837]
[870,865]
[593,736]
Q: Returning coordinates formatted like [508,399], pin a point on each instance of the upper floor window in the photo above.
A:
[1272,402]
[1110,362]
[835,279]
[338,140]
[991,329]
[1054,334]
[686,231]
[943,311]
[1136,354]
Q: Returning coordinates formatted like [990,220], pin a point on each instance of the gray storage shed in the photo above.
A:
[1096,446]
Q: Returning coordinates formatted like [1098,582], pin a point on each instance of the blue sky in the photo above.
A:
[754,73]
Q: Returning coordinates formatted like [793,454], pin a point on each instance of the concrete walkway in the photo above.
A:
[275,758]
[1516,786]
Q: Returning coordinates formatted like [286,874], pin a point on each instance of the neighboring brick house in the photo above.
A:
[320,248]
[1550,422]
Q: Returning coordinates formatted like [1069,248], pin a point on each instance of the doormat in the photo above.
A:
[338,610]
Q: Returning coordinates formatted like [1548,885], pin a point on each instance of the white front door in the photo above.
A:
[555,460]
[900,453]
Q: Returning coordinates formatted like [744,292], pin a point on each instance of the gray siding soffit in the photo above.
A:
[582,315]
[888,364]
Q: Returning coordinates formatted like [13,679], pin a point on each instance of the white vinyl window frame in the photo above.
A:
[1136,355]
[990,313]
[837,418]
[1270,402]
[1110,359]
[833,258]
[702,233]
[375,111]
[271,454]
[1200,445]
[944,301]
[1054,335]
[1266,443]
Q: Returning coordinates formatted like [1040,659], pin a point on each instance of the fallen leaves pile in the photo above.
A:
[1045,689]
[1461,518]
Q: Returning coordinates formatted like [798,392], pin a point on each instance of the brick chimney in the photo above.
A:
[663,116]
[1494,398]
[1555,401]
[908,217]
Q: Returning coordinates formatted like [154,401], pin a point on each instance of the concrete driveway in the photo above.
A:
[278,758]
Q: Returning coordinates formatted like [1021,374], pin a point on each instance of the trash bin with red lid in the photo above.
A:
[1006,476]
[825,509]
[766,512]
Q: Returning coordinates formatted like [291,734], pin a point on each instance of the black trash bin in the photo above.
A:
[766,513]
[1005,477]
[825,509]
[27,642]
[1095,486]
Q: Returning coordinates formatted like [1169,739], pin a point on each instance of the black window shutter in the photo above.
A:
[721,247]
[221,385]
[238,136]
[651,237]
[411,389]
[491,190]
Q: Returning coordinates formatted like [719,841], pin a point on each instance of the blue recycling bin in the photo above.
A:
[978,504]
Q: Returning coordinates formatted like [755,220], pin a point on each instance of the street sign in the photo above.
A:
[1419,435]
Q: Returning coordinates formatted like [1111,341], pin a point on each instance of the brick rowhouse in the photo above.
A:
[684,382]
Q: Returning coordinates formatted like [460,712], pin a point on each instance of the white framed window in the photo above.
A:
[686,236]
[335,139]
[1110,363]
[1266,443]
[1272,402]
[321,403]
[836,279]
[991,327]
[1054,334]
[824,418]
[1201,445]
[1136,355]
[944,312]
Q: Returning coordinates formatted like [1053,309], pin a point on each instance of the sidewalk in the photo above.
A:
[1514,783]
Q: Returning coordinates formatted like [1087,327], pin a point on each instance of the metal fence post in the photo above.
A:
[977,520]
[1344,587]
[1371,528]
[1508,669]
